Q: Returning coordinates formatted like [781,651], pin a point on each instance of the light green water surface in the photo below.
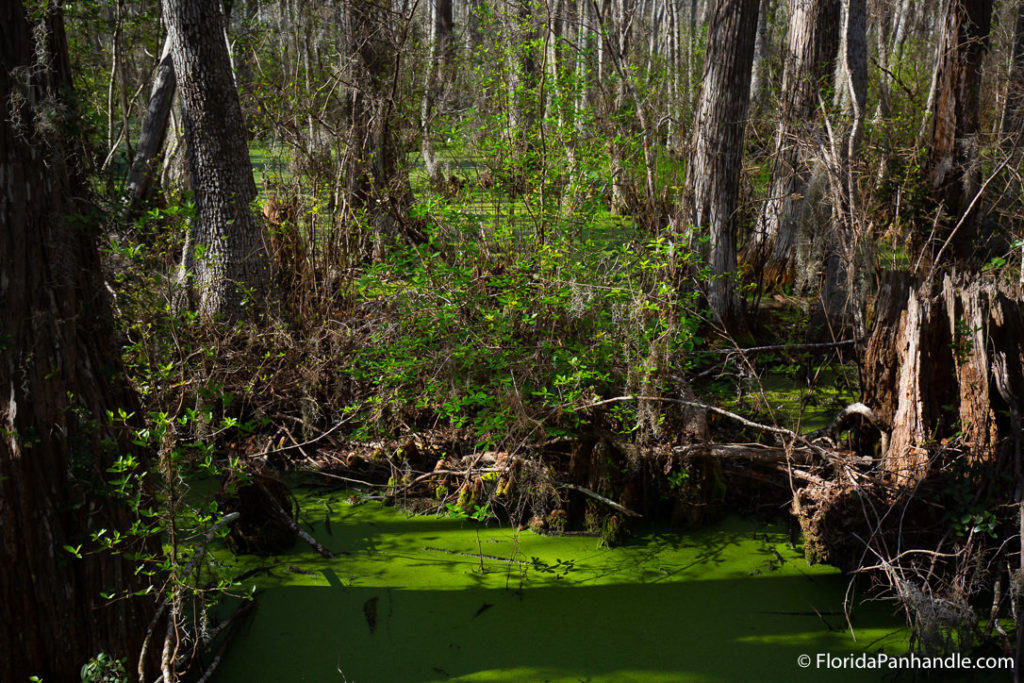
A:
[733,602]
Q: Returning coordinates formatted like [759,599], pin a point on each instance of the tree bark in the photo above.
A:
[60,373]
[154,129]
[812,42]
[225,269]
[713,175]
[953,145]
[838,308]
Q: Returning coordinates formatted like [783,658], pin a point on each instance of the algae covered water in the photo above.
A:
[406,600]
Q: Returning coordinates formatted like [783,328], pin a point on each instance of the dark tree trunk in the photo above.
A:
[225,267]
[524,74]
[154,129]
[713,175]
[376,177]
[953,144]
[60,374]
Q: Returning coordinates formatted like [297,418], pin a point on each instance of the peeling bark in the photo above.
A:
[953,169]
[943,366]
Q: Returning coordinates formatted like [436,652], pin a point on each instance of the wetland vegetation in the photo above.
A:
[381,340]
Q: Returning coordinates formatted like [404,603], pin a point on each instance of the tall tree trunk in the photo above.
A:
[838,308]
[377,180]
[811,45]
[952,144]
[524,74]
[154,129]
[1012,119]
[225,267]
[60,373]
[438,59]
[762,47]
[713,175]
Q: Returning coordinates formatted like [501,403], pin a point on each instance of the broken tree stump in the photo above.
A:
[944,362]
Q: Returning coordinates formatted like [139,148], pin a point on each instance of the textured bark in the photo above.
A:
[59,373]
[762,48]
[713,175]
[154,129]
[943,366]
[952,145]
[225,267]
[812,41]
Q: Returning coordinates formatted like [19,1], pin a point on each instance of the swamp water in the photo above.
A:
[733,602]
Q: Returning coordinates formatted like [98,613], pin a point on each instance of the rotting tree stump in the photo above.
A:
[944,362]
[943,371]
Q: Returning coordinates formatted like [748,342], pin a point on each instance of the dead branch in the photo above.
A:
[294,526]
[597,496]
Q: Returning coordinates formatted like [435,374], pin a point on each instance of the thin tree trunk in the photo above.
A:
[761,47]
[1012,122]
[713,175]
[154,129]
[838,308]
[436,82]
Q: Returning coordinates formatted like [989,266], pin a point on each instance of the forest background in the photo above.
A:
[567,243]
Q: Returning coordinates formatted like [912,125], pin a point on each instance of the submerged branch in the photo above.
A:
[597,496]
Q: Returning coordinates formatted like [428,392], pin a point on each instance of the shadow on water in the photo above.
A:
[732,603]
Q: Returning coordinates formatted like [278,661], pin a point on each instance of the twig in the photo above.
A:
[781,431]
[432,473]
[310,441]
[239,613]
[967,212]
[330,475]
[480,556]
[787,347]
